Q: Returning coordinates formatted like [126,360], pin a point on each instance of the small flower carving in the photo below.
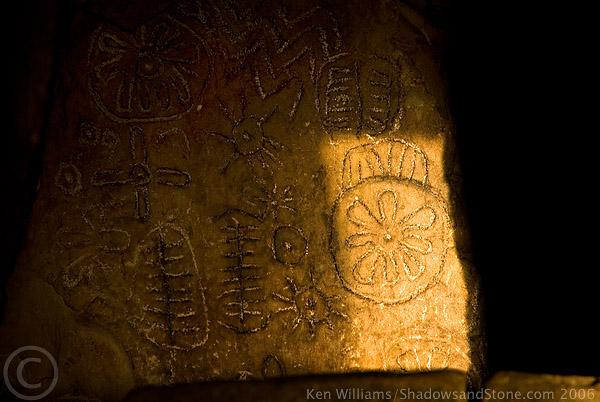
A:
[394,242]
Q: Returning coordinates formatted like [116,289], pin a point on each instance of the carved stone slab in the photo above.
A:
[245,190]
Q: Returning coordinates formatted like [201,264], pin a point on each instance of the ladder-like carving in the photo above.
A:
[172,311]
[243,295]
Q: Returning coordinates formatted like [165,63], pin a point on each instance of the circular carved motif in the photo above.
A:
[289,245]
[155,73]
[68,179]
[139,175]
[389,238]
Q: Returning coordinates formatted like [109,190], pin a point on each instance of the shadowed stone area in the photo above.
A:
[436,386]
[514,386]
[242,191]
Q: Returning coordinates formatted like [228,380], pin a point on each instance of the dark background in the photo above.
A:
[520,79]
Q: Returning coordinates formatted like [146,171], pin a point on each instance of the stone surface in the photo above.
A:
[512,386]
[438,386]
[245,191]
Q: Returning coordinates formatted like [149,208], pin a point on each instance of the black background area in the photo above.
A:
[520,85]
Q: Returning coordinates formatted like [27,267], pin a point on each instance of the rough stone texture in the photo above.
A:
[249,191]
[412,387]
[512,386]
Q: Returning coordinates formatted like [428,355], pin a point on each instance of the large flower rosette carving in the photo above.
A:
[155,73]
[389,237]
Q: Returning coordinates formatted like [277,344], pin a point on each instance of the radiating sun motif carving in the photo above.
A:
[310,305]
[270,200]
[250,143]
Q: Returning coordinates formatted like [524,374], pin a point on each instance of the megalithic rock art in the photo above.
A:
[239,190]
[390,231]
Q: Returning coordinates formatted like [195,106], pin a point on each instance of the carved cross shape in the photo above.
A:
[139,175]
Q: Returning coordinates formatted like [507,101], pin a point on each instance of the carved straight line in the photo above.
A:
[245,331]
[284,309]
[137,142]
[338,120]
[245,302]
[171,245]
[174,300]
[166,287]
[239,291]
[159,290]
[174,258]
[281,297]
[242,239]
[337,89]
[359,169]
[379,84]
[389,160]
[142,203]
[334,83]
[401,165]
[108,178]
[173,172]
[381,74]
[246,312]
[236,268]
[237,254]
[341,109]
[238,228]
[168,275]
[377,121]
[294,107]
[156,310]
[187,330]
[379,97]
[237,280]
[185,315]
[413,165]
[154,324]
[182,290]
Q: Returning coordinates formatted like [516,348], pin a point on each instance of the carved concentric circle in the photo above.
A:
[89,134]
[68,179]
[389,238]
[149,65]
[289,245]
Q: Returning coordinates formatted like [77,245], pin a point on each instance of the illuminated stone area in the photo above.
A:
[246,192]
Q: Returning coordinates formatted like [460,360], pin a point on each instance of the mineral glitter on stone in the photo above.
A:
[245,190]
